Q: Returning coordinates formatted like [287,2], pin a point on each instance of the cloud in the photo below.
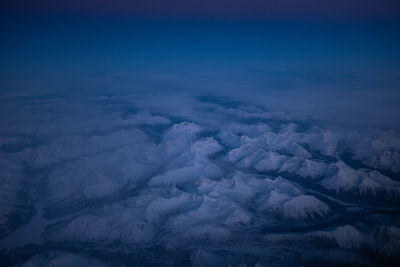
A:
[185,172]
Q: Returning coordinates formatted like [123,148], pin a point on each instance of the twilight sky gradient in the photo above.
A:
[338,60]
[239,9]
[200,132]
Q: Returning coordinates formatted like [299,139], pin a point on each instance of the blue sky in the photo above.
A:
[346,54]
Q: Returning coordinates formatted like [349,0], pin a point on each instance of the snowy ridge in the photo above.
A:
[12,191]
[361,181]
[56,258]
[346,236]
[216,186]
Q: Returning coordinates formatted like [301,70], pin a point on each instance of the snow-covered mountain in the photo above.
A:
[218,185]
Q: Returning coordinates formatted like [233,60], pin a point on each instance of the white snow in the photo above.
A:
[10,184]
[273,161]
[303,207]
[61,259]
[313,169]
[346,236]
[360,181]
[75,146]
[198,186]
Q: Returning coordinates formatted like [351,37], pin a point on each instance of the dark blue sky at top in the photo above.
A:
[120,36]
[352,33]
[324,46]
[237,9]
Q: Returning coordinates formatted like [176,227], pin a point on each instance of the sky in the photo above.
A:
[156,126]
[238,9]
[309,57]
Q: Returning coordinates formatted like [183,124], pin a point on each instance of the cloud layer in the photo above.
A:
[123,179]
